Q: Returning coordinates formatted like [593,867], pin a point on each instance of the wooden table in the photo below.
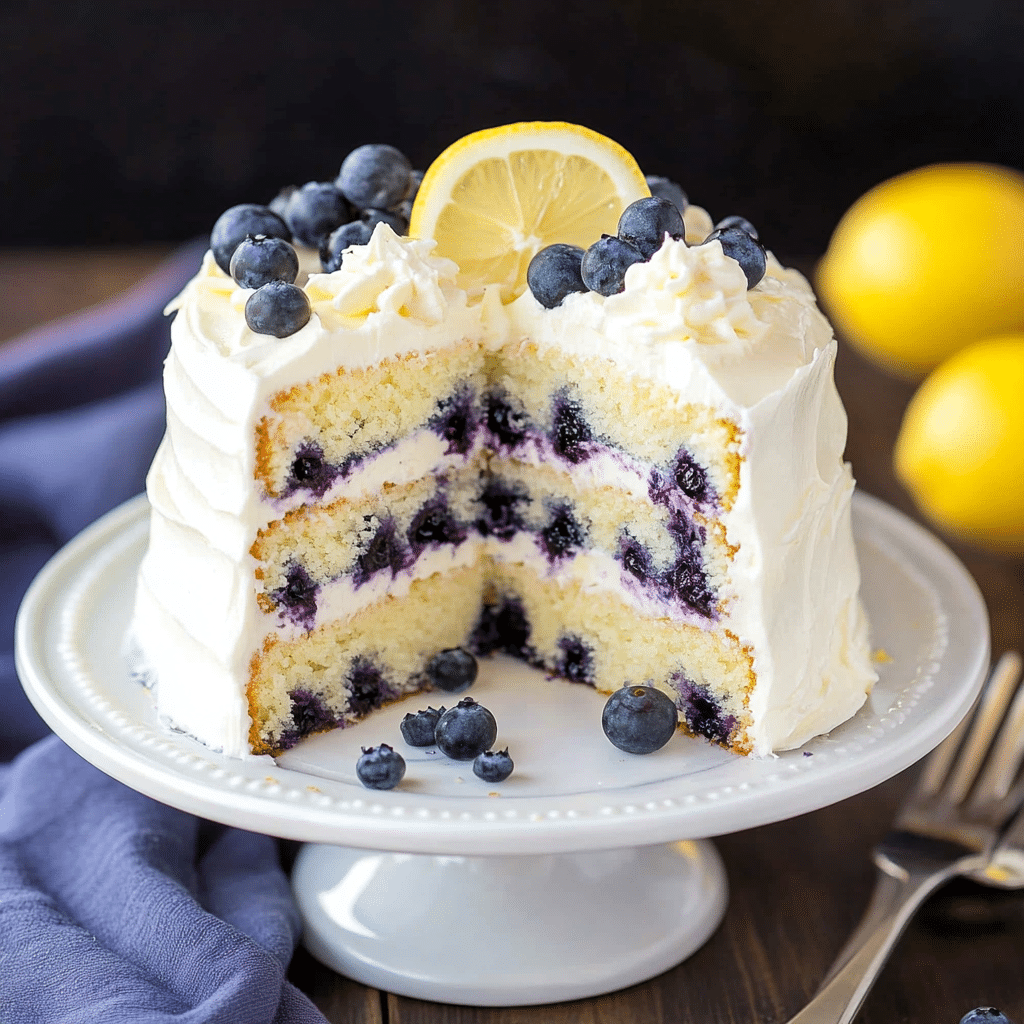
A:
[797,887]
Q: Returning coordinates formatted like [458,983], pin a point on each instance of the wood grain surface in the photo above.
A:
[797,887]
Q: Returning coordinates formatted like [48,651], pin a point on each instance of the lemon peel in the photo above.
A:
[927,262]
[960,449]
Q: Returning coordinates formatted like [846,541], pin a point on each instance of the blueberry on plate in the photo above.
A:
[277,308]
[605,264]
[234,224]
[258,259]
[555,272]
[645,223]
[314,211]
[465,731]
[418,729]
[375,176]
[453,670]
[332,250]
[639,719]
[664,188]
[745,250]
[380,767]
[985,1015]
[493,766]
[735,221]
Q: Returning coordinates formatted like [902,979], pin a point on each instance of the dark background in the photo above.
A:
[137,122]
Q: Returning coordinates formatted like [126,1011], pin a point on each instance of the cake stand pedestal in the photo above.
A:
[588,869]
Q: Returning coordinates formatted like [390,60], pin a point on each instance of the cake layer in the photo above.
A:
[323,562]
[340,671]
[322,430]
[595,637]
[549,405]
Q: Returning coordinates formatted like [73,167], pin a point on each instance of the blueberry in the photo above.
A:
[456,421]
[985,1015]
[562,535]
[635,559]
[258,260]
[280,202]
[385,550]
[507,424]
[702,712]
[735,221]
[375,176]
[690,476]
[645,223]
[418,729]
[555,272]
[493,767]
[453,670]
[234,224]
[398,222]
[576,661]
[664,188]
[465,731]
[332,250]
[298,595]
[314,211]
[570,433]
[367,687]
[689,583]
[311,470]
[310,713]
[746,251]
[500,516]
[380,767]
[605,264]
[434,524]
[277,308]
[639,719]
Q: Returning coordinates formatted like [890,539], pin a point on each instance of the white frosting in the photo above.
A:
[762,358]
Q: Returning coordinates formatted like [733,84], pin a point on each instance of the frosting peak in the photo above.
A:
[387,275]
[688,293]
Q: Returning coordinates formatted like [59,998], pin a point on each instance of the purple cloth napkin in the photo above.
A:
[113,907]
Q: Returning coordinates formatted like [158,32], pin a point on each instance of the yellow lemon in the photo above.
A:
[927,262]
[493,199]
[960,450]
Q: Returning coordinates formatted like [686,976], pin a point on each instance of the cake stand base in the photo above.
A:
[508,931]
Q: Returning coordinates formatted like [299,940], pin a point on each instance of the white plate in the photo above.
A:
[571,790]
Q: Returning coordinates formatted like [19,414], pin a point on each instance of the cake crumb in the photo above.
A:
[493,793]
[881,656]
[271,779]
[313,789]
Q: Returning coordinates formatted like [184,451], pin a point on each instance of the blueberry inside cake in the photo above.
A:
[631,472]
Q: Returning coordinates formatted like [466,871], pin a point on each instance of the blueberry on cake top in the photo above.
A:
[429,448]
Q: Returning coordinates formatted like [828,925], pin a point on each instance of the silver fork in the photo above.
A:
[950,825]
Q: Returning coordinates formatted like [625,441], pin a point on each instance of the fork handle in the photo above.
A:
[895,899]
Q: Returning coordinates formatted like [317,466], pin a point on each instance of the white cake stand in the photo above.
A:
[584,872]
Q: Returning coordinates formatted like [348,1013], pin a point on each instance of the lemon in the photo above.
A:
[960,450]
[493,199]
[927,262]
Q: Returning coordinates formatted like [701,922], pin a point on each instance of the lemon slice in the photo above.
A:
[493,199]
